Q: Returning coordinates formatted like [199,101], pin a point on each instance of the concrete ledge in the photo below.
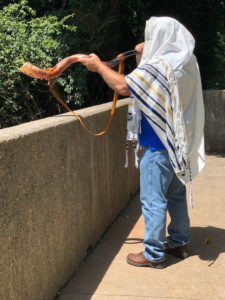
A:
[214,121]
[60,188]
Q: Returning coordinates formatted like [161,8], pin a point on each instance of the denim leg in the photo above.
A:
[179,226]
[156,174]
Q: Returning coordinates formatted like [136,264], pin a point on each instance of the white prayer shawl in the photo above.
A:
[167,89]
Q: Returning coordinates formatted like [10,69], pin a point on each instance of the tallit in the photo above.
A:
[167,88]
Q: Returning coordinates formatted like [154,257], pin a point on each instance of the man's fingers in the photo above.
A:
[82,60]
[92,55]
[85,59]
[91,62]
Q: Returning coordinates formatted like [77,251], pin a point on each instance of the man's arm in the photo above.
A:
[115,81]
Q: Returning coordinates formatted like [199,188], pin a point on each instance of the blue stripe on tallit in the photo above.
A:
[172,162]
[146,104]
[146,93]
[157,71]
[147,117]
[157,78]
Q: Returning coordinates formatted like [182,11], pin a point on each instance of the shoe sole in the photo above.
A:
[161,265]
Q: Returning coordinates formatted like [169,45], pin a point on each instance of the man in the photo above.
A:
[166,90]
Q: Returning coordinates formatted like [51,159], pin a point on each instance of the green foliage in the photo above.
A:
[43,41]
[107,28]
[219,64]
[114,26]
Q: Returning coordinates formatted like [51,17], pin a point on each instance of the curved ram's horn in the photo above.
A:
[54,72]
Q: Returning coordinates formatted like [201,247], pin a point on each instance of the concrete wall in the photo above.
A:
[214,121]
[60,188]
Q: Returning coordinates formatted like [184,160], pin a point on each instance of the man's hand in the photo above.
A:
[139,48]
[114,80]
[92,62]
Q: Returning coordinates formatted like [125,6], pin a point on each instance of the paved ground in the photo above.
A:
[105,275]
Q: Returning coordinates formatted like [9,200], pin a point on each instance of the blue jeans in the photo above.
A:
[160,189]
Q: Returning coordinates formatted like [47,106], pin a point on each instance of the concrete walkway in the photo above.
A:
[105,275]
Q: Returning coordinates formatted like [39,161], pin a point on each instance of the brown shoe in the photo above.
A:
[139,260]
[180,251]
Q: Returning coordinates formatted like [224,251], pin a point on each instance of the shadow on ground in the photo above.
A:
[206,242]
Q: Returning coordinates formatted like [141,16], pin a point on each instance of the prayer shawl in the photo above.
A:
[166,87]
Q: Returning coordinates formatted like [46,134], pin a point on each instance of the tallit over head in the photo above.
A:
[167,89]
